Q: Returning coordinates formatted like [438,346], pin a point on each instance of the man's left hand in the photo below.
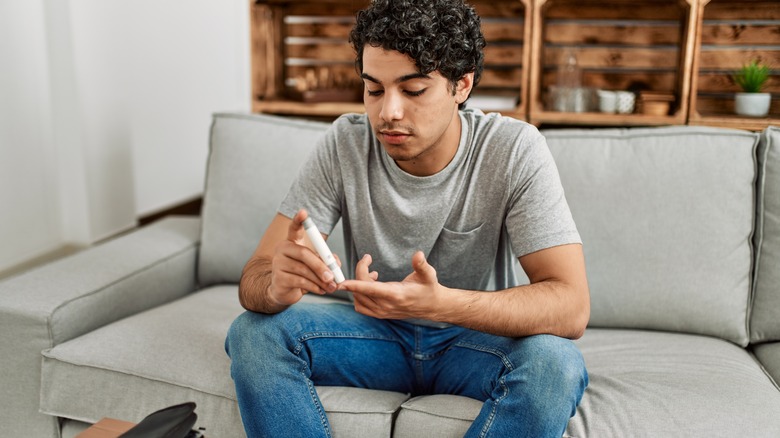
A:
[414,297]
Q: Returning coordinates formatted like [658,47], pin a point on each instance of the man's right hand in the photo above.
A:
[283,268]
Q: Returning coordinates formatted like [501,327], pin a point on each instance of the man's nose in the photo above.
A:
[392,107]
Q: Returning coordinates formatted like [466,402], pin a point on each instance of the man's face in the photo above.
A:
[414,116]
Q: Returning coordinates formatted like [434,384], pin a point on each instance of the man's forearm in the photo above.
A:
[550,307]
[254,285]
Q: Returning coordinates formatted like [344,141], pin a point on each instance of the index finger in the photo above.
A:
[368,288]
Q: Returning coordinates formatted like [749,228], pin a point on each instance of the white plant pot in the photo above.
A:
[752,104]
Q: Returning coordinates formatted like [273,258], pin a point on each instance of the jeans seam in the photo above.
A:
[489,422]
[314,335]
[318,405]
[313,394]
[494,351]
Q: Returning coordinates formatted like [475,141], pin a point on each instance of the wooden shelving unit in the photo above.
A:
[620,45]
[683,49]
[304,45]
[730,34]
[507,52]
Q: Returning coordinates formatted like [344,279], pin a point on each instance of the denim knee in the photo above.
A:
[554,365]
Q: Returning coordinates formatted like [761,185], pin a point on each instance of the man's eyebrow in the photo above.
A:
[403,78]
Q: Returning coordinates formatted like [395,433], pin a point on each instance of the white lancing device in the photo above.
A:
[322,249]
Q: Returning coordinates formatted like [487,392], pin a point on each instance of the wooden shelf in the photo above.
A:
[601,119]
[620,45]
[321,109]
[730,34]
[736,122]
[303,44]
[685,49]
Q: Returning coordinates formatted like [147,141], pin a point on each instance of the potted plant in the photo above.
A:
[751,78]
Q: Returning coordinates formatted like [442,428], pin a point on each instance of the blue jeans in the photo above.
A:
[530,386]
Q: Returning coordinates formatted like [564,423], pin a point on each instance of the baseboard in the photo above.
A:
[189,208]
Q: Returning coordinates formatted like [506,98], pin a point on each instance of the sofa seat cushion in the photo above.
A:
[175,353]
[645,383]
[642,383]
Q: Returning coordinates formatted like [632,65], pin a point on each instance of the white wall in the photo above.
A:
[105,109]
[29,202]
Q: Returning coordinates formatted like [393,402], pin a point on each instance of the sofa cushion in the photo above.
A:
[253,159]
[666,216]
[641,383]
[175,353]
[653,384]
[765,320]
[436,416]
[769,355]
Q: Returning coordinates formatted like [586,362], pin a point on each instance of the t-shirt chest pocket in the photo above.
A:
[464,259]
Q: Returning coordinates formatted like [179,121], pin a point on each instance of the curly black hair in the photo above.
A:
[441,35]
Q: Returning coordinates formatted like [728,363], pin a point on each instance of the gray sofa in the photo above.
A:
[681,227]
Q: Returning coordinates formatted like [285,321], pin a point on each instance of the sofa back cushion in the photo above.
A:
[253,159]
[666,219]
[765,319]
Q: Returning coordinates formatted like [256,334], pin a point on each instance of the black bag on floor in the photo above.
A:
[171,422]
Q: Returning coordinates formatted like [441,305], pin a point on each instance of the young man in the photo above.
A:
[436,204]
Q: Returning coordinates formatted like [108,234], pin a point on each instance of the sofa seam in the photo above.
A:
[760,197]
[435,414]
[758,362]
[50,316]
[757,229]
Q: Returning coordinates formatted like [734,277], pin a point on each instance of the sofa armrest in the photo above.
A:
[64,299]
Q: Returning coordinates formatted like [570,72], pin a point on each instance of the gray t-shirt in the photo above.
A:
[499,198]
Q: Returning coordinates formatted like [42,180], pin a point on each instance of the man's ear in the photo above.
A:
[463,87]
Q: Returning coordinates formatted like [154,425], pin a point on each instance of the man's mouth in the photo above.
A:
[394,137]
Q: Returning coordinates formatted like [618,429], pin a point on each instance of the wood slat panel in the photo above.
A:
[734,58]
[492,30]
[342,70]
[503,31]
[577,33]
[722,82]
[316,8]
[616,57]
[342,52]
[742,10]
[503,54]
[338,52]
[609,10]
[500,9]
[660,81]
[491,77]
[321,30]
[740,34]
[502,78]
[714,105]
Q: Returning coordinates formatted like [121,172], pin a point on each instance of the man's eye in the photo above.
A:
[374,93]
[415,93]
